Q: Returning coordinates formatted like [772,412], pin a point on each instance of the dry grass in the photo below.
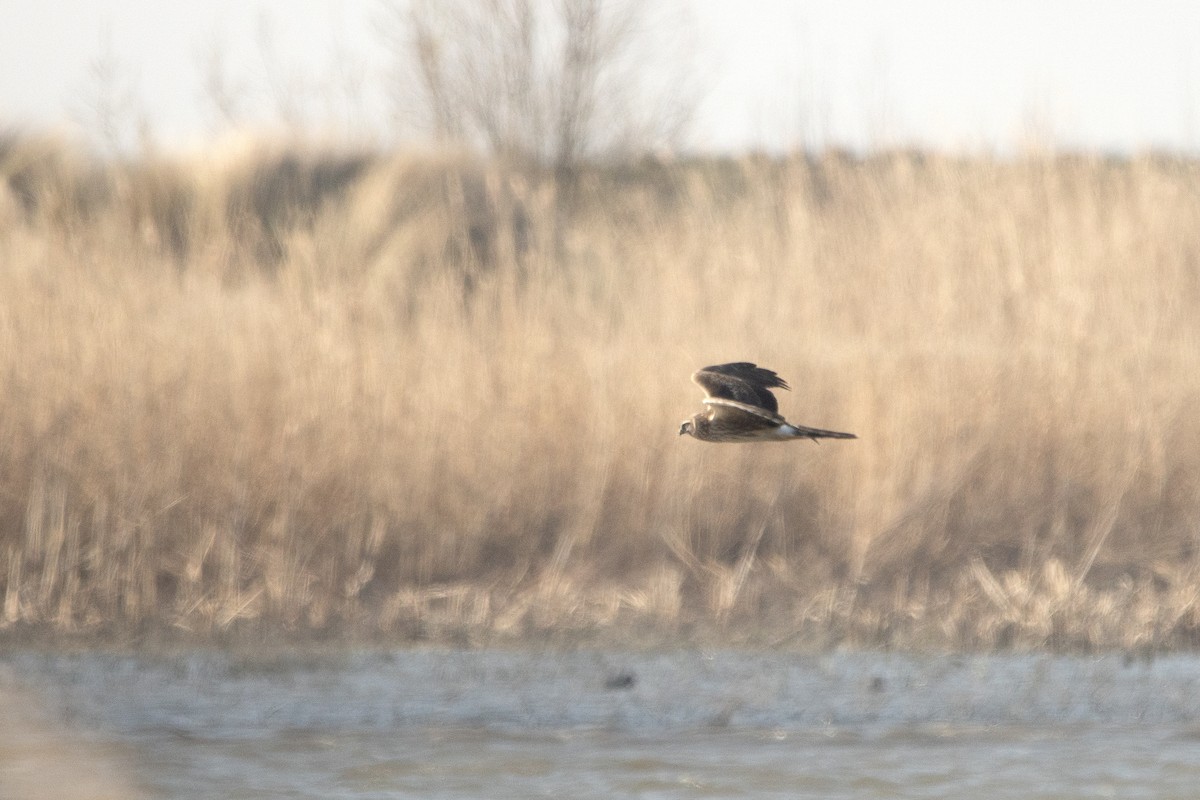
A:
[415,395]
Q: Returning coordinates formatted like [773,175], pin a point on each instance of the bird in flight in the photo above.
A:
[741,408]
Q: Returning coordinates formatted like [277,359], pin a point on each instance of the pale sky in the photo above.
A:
[973,74]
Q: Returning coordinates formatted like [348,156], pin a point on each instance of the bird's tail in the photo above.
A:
[801,432]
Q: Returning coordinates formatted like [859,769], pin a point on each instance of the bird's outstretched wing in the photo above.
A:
[733,411]
[735,415]
[741,382]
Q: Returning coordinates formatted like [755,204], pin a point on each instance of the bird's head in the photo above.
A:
[688,426]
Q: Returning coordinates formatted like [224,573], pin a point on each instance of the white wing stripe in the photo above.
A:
[749,409]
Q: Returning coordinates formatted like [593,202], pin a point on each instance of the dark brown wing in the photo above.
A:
[743,382]
[720,408]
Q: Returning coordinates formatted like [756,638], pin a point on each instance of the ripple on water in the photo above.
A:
[451,724]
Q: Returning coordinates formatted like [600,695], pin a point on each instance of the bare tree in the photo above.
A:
[225,95]
[553,81]
[112,112]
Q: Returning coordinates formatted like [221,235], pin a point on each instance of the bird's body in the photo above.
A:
[742,408]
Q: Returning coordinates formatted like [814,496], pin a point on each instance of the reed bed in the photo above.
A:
[323,392]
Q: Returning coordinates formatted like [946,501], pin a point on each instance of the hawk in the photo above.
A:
[741,408]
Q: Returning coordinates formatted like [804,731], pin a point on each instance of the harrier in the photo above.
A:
[741,408]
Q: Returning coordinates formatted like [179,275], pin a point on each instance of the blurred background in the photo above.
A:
[377,320]
[1114,77]
[343,348]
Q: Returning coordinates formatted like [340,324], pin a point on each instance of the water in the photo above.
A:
[678,724]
